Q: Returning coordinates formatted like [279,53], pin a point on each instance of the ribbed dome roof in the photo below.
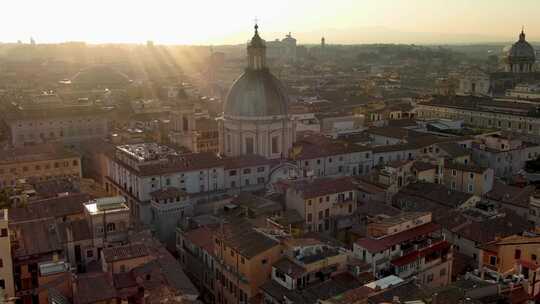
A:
[256,93]
[521,51]
[100,76]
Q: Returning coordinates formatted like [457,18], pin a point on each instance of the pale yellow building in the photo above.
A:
[6,263]
[513,256]
[244,259]
[39,162]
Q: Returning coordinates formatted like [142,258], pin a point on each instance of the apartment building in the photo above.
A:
[514,257]
[109,220]
[196,255]
[243,259]
[33,244]
[407,245]
[504,153]
[469,177]
[40,162]
[320,156]
[320,201]
[309,270]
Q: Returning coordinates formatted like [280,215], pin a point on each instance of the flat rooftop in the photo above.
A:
[50,268]
[147,151]
[106,204]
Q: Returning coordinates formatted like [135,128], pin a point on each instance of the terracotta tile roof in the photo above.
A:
[319,146]
[452,220]
[512,195]
[36,153]
[52,187]
[488,230]
[397,147]
[376,245]
[436,193]
[453,149]
[245,161]
[289,217]
[373,208]
[241,236]
[408,291]
[198,161]
[511,240]
[324,186]
[80,230]
[57,207]
[124,280]
[293,242]
[423,166]
[337,285]
[35,237]
[352,296]
[183,163]
[202,237]
[470,167]
[93,287]
[113,254]
[398,163]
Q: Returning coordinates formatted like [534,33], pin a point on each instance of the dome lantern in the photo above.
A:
[256,51]
[256,93]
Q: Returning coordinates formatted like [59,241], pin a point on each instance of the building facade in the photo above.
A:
[321,201]
[40,162]
[136,171]
[37,123]
[407,246]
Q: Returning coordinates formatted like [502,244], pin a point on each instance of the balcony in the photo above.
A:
[420,244]
[431,255]
[232,271]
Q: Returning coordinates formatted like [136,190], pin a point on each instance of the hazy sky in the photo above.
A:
[231,21]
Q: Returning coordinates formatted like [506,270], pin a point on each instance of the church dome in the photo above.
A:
[100,76]
[256,93]
[521,51]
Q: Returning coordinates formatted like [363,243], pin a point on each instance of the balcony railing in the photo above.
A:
[232,271]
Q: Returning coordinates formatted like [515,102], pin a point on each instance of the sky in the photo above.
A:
[231,21]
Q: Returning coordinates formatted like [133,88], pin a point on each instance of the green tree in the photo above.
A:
[5,197]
